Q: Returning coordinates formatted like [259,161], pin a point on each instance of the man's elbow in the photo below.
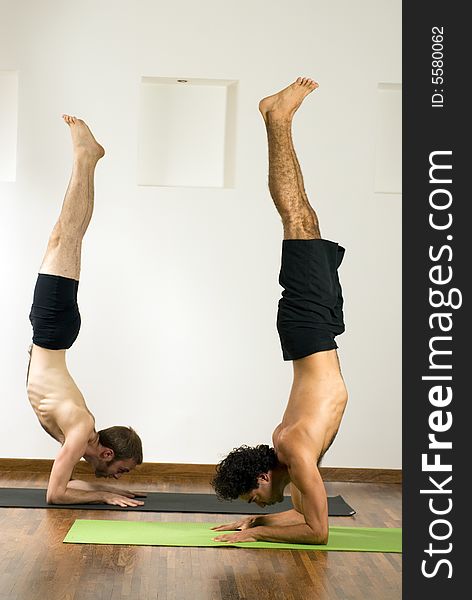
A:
[324,537]
[319,536]
[54,498]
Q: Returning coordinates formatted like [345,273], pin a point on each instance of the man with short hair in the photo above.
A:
[309,317]
[53,394]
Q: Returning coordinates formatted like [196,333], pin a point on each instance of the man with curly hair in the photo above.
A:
[309,317]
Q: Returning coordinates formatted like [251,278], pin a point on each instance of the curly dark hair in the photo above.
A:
[237,473]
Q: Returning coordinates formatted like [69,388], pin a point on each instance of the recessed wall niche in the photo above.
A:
[187,131]
[8,124]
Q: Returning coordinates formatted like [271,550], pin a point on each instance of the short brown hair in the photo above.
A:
[124,441]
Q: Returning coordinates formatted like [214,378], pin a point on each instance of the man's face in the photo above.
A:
[265,493]
[114,468]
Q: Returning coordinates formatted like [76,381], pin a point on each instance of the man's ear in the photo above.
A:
[263,478]
[107,454]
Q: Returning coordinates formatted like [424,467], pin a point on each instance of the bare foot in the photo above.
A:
[83,142]
[284,104]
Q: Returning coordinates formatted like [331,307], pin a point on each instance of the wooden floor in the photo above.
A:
[36,565]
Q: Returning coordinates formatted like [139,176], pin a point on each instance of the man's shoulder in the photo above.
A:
[77,423]
[296,443]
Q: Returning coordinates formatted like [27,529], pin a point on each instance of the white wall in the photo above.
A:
[179,287]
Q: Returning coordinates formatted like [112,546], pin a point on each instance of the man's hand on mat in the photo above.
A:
[241,524]
[92,486]
[126,493]
[117,500]
[248,535]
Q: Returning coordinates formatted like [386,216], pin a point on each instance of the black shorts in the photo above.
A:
[55,314]
[310,311]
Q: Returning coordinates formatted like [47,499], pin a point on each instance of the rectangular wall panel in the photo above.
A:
[388,146]
[8,124]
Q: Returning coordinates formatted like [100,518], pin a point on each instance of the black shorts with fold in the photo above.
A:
[55,314]
[310,312]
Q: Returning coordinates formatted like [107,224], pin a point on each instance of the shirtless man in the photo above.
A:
[309,317]
[53,394]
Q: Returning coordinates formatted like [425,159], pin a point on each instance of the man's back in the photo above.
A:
[53,394]
[316,404]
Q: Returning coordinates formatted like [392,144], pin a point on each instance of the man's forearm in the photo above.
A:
[288,517]
[74,496]
[90,486]
[299,534]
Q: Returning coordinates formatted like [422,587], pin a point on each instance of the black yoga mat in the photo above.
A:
[166,502]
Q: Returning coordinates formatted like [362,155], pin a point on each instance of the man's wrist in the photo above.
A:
[257,531]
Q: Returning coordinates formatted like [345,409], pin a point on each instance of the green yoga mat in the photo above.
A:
[142,533]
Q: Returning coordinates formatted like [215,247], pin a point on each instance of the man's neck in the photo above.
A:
[93,449]
[281,476]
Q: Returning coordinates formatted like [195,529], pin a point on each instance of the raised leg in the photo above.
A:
[65,242]
[285,177]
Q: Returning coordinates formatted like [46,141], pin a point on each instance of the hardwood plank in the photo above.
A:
[35,564]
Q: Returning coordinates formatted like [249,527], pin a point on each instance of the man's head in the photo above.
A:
[120,451]
[251,474]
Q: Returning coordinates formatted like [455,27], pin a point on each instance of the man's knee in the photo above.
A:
[301,227]
[64,235]
[55,237]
